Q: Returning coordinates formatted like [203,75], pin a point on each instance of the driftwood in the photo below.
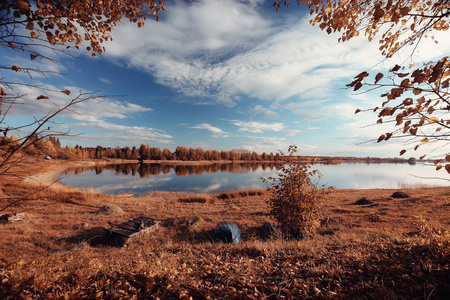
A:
[133,228]
[14,217]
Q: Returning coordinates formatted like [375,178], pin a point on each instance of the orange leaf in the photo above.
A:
[378,77]
[42,97]
[433,120]
[388,136]
[396,68]
[404,83]
[402,152]
[402,74]
[33,56]
[67,92]
[378,13]
[362,75]
[24,5]
[424,140]
[357,111]
[422,120]
[396,92]
[34,34]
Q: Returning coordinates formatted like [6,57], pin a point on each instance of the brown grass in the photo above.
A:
[390,248]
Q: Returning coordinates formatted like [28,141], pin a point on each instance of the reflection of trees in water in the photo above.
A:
[146,170]
[98,170]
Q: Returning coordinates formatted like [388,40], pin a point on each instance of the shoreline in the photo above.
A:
[47,172]
[57,167]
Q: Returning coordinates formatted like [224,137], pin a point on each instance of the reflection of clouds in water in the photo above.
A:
[215,186]
[340,176]
[251,187]
[210,189]
[225,185]
[366,176]
[116,183]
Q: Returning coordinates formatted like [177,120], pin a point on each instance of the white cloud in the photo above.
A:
[105,80]
[194,51]
[266,144]
[217,132]
[265,113]
[91,110]
[186,28]
[107,108]
[141,131]
[91,116]
[115,139]
[46,67]
[258,127]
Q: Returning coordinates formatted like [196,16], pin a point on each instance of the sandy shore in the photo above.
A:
[49,172]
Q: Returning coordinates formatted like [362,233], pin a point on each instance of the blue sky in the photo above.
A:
[220,75]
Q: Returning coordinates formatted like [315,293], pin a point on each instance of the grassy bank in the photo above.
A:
[386,248]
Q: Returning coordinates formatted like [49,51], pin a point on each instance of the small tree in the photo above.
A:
[295,199]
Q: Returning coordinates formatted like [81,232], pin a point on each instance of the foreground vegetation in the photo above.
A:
[386,248]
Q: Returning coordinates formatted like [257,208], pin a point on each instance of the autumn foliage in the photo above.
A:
[415,98]
[296,199]
[68,23]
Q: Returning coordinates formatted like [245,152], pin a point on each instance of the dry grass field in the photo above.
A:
[387,248]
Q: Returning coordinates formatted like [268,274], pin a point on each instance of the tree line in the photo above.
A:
[51,147]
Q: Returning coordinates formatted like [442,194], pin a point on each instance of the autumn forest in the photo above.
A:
[52,147]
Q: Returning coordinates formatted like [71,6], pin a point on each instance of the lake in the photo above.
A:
[141,178]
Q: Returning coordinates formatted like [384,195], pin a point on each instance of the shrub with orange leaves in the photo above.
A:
[296,199]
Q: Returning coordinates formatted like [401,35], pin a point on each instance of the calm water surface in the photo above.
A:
[141,178]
